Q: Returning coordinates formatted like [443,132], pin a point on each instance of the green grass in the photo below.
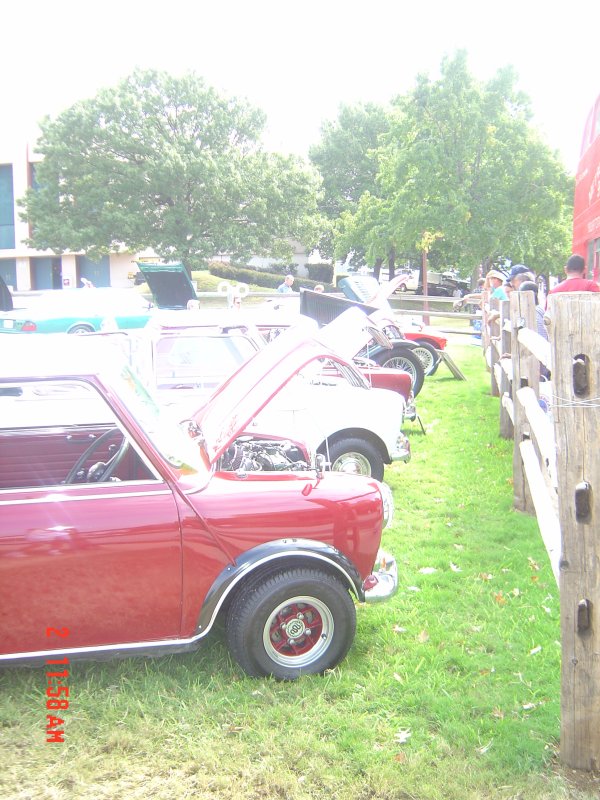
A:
[450,692]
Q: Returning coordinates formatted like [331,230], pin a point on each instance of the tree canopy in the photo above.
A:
[463,174]
[166,163]
[346,158]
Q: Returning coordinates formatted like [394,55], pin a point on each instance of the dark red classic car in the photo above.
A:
[122,533]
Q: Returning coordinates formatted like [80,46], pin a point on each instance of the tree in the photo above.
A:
[166,163]
[462,163]
[346,160]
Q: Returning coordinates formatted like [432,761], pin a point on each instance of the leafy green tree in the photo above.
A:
[462,168]
[166,163]
[346,160]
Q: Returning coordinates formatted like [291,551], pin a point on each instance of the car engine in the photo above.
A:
[263,455]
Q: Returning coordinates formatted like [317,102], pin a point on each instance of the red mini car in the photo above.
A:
[122,533]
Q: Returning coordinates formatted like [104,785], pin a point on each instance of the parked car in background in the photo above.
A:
[445,284]
[92,309]
[145,535]
[77,311]
[407,280]
[417,354]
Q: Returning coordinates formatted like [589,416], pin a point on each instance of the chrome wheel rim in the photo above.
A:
[298,631]
[425,357]
[399,362]
[353,463]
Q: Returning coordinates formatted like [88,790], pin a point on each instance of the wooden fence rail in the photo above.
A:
[556,472]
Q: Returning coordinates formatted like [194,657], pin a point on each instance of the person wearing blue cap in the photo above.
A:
[517,275]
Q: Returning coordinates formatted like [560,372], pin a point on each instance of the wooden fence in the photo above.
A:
[556,466]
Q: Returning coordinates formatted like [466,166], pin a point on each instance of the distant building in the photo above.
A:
[24,268]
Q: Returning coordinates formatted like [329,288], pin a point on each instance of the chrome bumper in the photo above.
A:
[382,583]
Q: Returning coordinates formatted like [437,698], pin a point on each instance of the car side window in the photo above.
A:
[63,432]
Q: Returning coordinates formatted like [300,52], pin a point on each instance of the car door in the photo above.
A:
[98,561]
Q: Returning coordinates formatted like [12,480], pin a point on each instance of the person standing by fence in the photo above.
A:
[286,286]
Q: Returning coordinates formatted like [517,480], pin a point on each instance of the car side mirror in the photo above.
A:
[320,464]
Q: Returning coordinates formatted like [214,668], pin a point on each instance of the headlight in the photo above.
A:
[387,499]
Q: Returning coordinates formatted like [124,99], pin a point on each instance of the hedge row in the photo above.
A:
[259,277]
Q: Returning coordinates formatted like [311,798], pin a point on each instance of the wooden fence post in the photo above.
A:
[525,372]
[494,346]
[506,375]
[576,408]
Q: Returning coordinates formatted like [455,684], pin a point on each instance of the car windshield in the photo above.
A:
[171,441]
[199,360]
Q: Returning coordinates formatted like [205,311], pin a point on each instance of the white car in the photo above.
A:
[327,405]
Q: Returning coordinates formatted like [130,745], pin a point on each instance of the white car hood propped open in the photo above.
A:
[236,402]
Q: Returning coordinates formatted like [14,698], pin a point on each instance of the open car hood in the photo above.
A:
[351,331]
[236,402]
[170,284]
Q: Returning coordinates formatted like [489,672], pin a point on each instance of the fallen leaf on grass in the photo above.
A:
[486,576]
[528,706]
[402,736]
[423,637]
[485,747]
[398,678]
[458,546]
[401,757]
[427,570]
[232,729]
[534,578]
[535,650]
[498,713]
[455,568]
[398,629]
[412,589]
[533,564]
[500,599]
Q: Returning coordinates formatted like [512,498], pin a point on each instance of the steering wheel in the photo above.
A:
[102,470]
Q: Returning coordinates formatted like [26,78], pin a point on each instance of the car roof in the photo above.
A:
[55,355]
[79,301]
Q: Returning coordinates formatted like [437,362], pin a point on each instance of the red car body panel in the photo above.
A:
[233,521]
[133,559]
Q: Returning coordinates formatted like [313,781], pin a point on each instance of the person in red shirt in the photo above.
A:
[576,280]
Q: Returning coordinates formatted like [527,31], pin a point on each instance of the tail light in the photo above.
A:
[29,326]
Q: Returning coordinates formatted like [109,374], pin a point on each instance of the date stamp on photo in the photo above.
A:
[57,691]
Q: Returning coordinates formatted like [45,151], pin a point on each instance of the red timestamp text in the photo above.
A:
[57,691]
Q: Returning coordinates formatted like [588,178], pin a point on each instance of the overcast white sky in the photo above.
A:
[299,61]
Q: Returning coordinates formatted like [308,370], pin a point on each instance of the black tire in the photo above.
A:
[81,328]
[356,456]
[300,621]
[403,358]
[430,357]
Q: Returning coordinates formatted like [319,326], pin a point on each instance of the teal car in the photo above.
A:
[78,311]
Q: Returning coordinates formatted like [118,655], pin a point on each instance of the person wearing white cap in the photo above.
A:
[496,282]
